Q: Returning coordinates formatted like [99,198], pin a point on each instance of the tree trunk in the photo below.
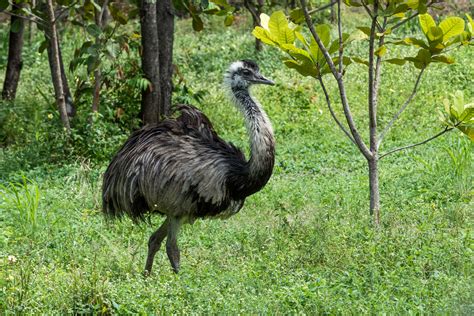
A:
[100,20]
[151,111]
[333,12]
[96,93]
[15,47]
[165,23]
[31,25]
[374,190]
[260,4]
[55,64]
[255,11]
[70,110]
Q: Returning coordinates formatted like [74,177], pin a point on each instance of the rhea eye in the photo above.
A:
[246,72]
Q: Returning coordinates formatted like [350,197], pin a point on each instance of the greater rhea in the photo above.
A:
[182,169]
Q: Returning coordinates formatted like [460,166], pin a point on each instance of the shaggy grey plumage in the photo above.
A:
[182,169]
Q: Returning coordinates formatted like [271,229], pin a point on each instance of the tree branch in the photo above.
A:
[403,107]
[328,102]
[372,94]
[342,91]
[34,19]
[330,4]
[102,11]
[371,15]
[409,18]
[58,16]
[252,11]
[375,96]
[339,31]
[445,130]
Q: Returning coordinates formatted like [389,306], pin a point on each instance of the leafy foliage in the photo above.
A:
[210,7]
[459,114]
[305,55]
[307,59]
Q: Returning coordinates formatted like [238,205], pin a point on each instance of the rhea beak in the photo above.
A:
[262,80]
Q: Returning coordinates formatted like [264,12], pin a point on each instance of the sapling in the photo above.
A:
[318,56]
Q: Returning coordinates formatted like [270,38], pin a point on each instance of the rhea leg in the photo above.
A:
[172,244]
[154,244]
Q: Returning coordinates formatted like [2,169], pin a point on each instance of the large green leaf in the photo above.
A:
[355,36]
[410,41]
[360,61]
[467,115]
[458,104]
[324,33]
[460,114]
[4,4]
[197,23]
[346,38]
[229,19]
[424,56]
[396,61]
[295,51]
[302,39]
[117,14]
[412,4]
[278,26]
[382,50]
[443,59]
[470,26]
[468,130]
[426,22]
[346,61]
[304,68]
[263,35]
[435,34]
[93,30]
[316,53]
[364,29]
[451,27]
[353,3]
[297,16]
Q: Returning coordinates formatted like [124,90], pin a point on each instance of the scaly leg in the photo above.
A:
[171,243]
[154,244]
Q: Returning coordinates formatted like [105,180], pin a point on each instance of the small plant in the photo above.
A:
[320,55]
[23,198]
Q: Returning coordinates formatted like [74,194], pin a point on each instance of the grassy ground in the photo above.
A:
[304,244]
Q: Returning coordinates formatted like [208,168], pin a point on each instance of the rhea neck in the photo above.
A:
[262,142]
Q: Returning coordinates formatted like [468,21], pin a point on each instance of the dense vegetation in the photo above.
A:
[303,244]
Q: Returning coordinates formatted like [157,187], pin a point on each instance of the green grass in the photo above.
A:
[304,244]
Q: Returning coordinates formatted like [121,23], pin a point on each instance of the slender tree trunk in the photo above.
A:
[374,80]
[255,11]
[56,66]
[100,21]
[96,93]
[374,190]
[14,65]
[151,97]
[165,23]
[260,4]
[333,12]
[70,109]
[31,26]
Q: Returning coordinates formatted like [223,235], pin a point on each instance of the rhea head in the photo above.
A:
[244,73]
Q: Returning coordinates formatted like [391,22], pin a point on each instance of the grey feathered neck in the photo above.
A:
[260,131]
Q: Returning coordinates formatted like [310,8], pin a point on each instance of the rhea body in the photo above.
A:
[182,169]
